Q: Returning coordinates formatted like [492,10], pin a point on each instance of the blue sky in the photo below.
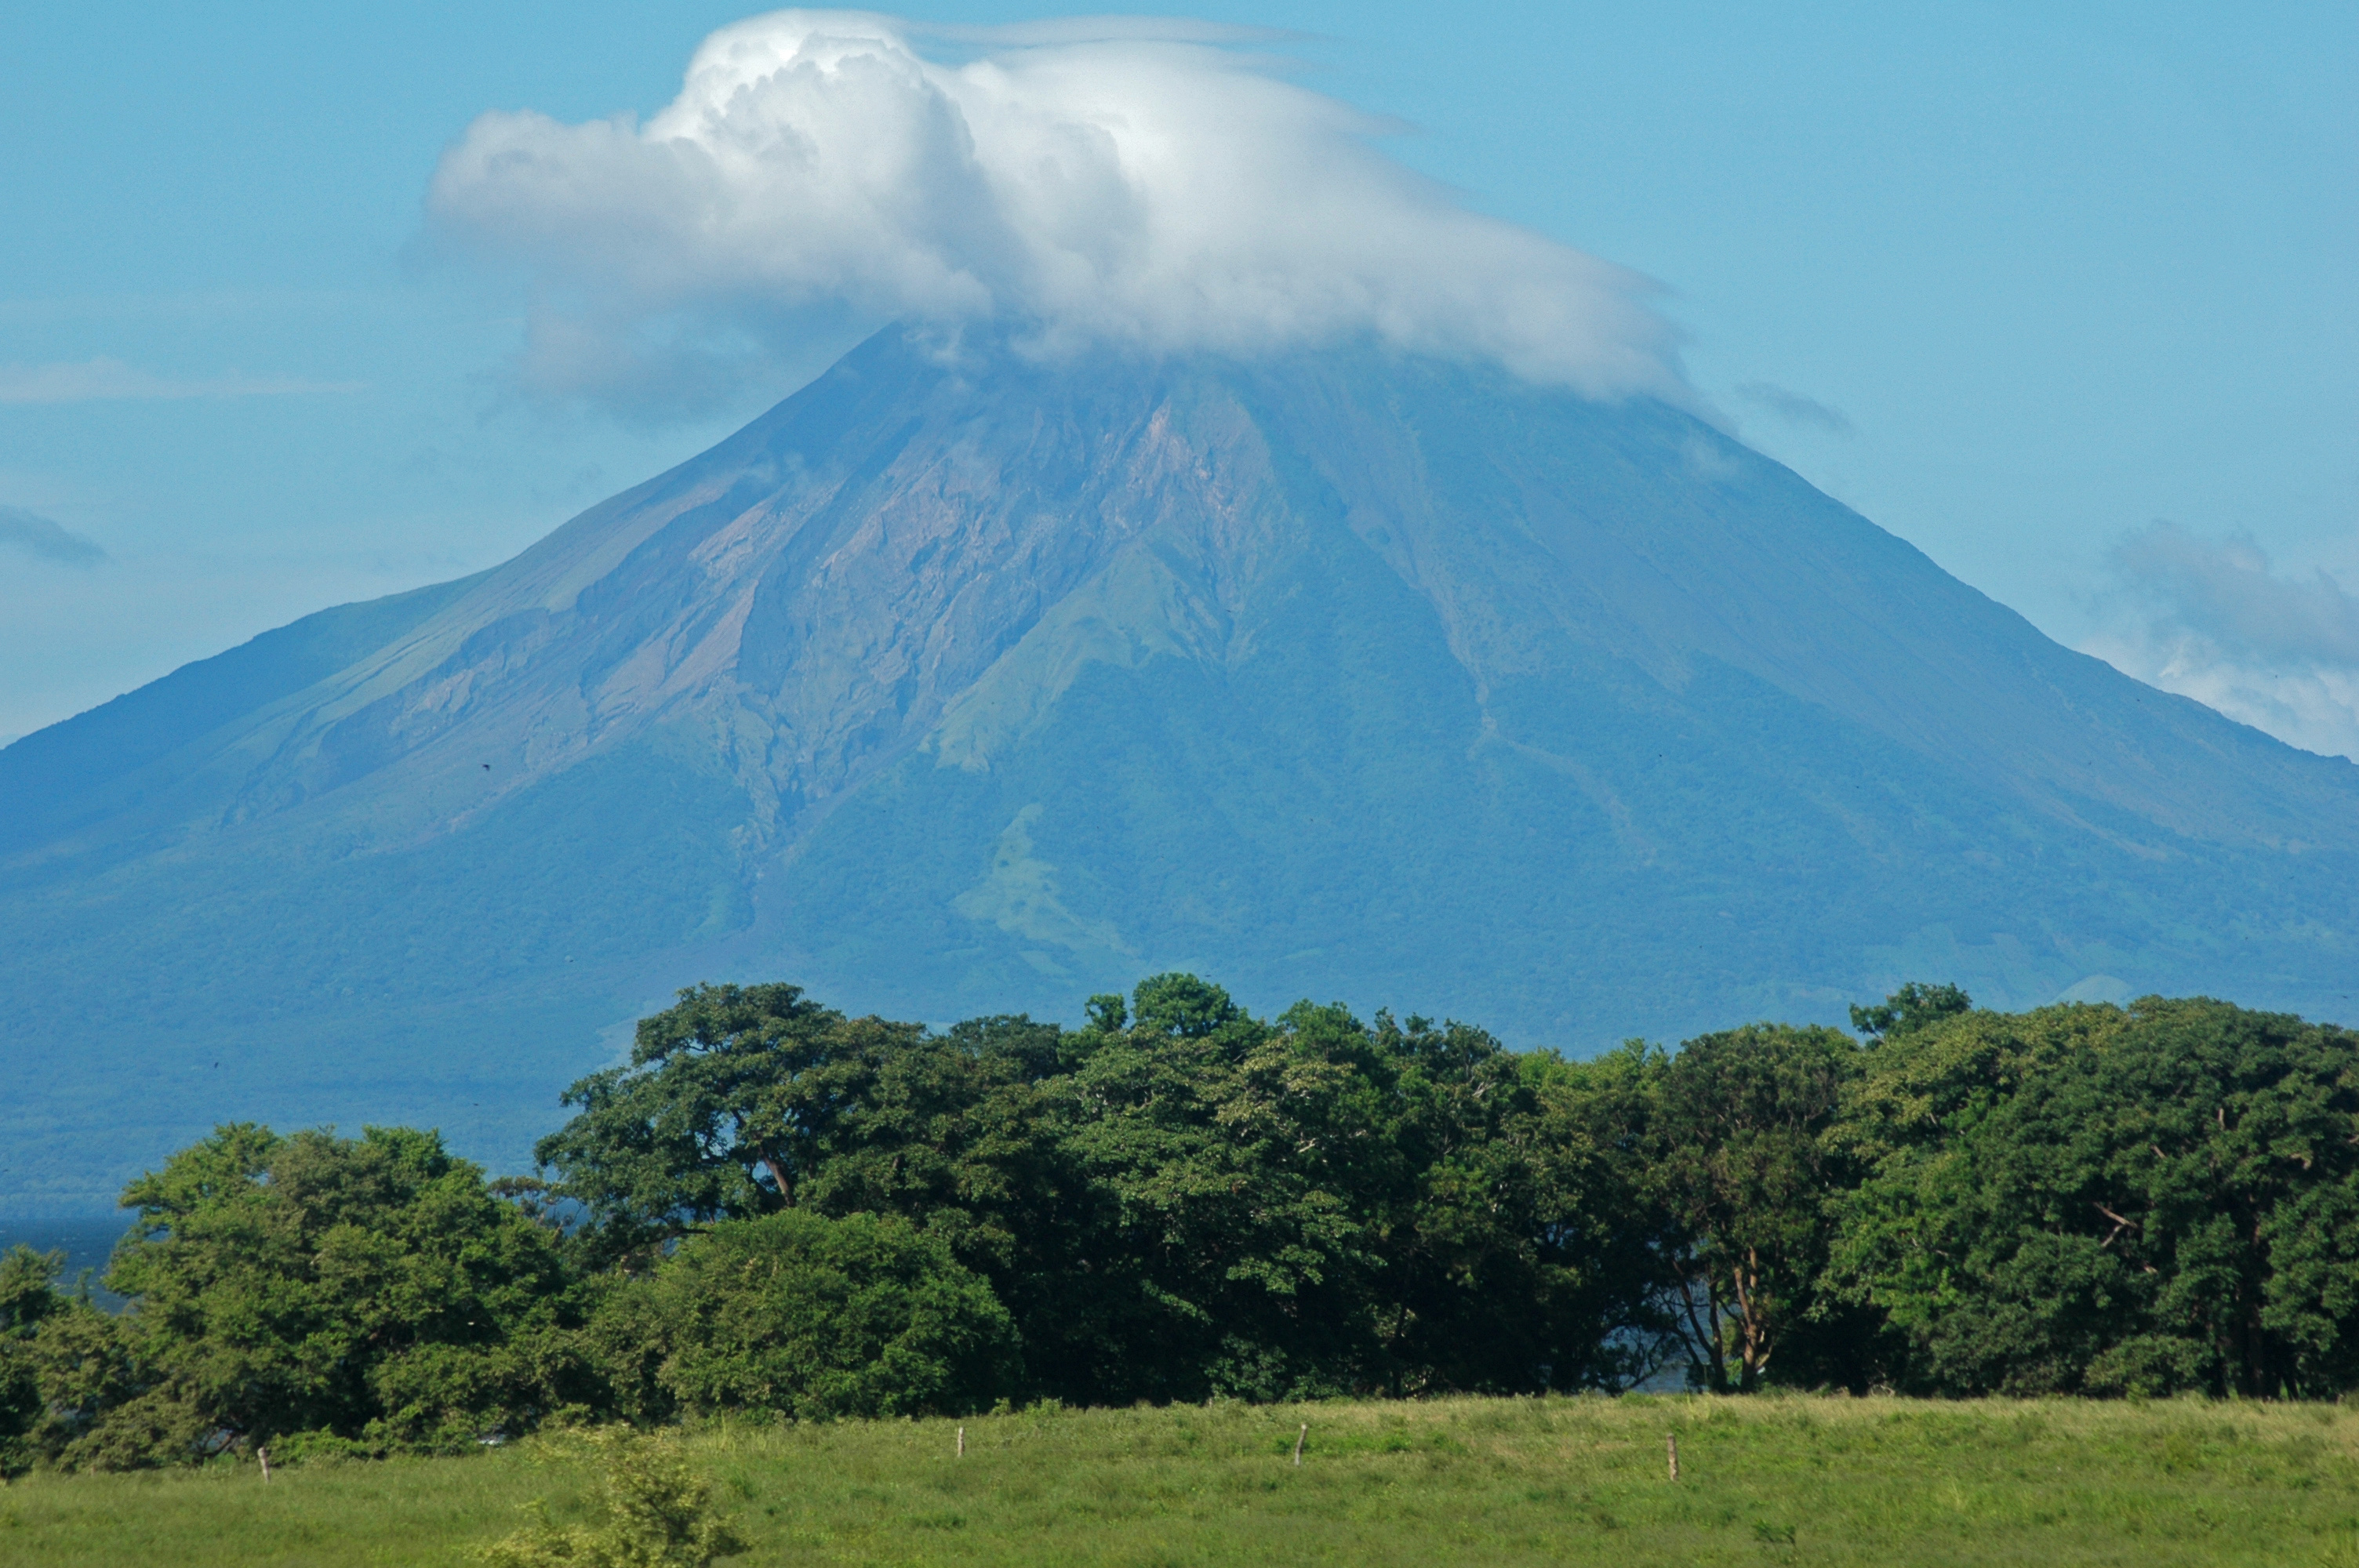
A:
[2067,296]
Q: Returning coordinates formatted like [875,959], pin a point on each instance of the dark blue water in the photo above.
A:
[85,1242]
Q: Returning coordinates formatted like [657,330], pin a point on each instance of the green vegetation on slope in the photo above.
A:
[1786,1479]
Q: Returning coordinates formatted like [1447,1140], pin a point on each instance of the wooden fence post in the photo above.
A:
[961,1442]
[1298,1439]
[263,1455]
[1671,1444]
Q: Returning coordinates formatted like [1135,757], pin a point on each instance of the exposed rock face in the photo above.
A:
[954,686]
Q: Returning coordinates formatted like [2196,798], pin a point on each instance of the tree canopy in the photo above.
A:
[2090,1198]
[315,1293]
[777,1210]
[803,1315]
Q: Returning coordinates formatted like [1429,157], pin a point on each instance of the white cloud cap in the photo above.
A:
[1126,183]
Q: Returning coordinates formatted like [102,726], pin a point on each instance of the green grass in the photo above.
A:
[1769,1481]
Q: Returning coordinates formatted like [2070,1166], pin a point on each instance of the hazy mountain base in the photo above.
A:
[1267,877]
[441,986]
[950,687]
[58,779]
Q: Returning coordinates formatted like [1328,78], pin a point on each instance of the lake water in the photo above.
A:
[85,1243]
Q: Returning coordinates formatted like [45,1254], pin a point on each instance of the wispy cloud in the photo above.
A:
[1794,407]
[2209,619]
[39,536]
[104,380]
[1137,183]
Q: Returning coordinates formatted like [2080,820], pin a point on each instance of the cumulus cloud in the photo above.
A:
[2211,620]
[1146,185]
[104,380]
[36,535]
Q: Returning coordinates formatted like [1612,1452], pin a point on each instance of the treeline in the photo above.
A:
[774,1208]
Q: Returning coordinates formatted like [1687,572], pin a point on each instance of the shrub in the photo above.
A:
[809,1317]
[658,1514]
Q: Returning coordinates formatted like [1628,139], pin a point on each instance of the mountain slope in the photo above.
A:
[960,684]
[65,775]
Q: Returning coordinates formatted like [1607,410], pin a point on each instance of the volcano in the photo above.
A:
[960,683]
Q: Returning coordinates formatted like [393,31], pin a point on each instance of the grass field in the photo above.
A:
[1765,1481]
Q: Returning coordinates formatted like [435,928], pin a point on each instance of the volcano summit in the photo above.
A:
[961,682]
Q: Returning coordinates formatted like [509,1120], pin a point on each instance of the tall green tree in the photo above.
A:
[1529,1254]
[2089,1198]
[1312,1205]
[742,1101]
[1179,1199]
[724,1108]
[29,1300]
[316,1291]
[1227,1164]
[1913,1007]
[1745,1170]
